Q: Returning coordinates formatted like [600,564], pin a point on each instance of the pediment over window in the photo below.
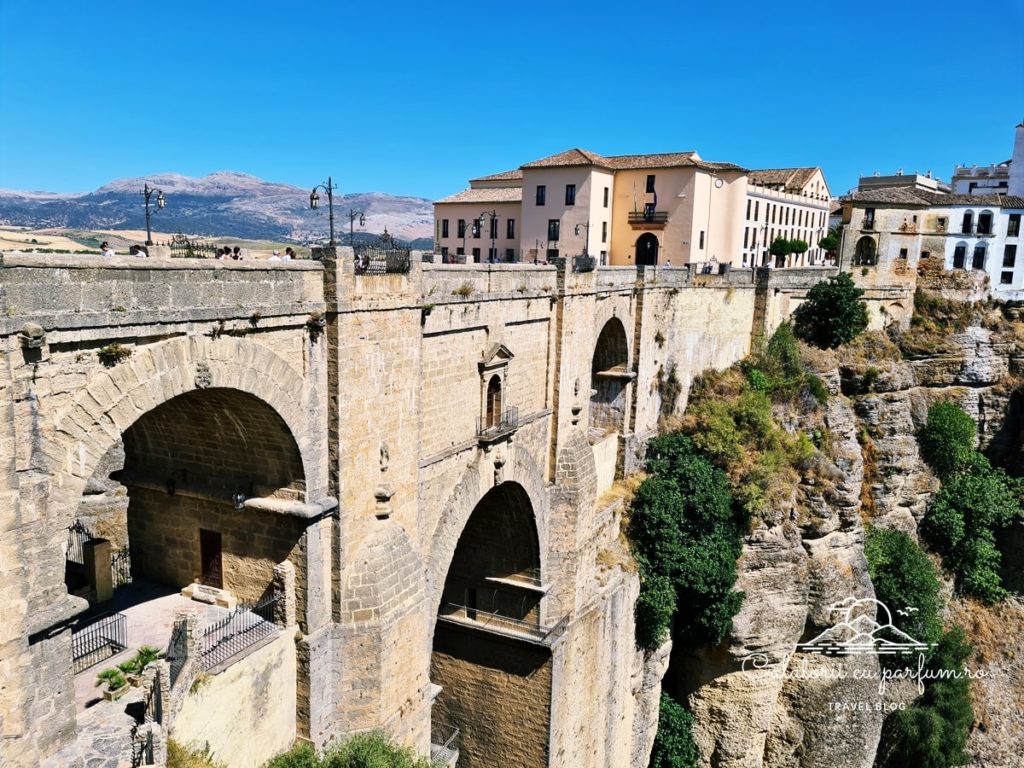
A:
[495,356]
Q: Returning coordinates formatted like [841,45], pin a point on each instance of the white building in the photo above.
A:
[1005,178]
[792,203]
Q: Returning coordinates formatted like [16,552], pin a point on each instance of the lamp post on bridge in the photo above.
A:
[586,237]
[314,203]
[147,192]
[353,214]
[493,216]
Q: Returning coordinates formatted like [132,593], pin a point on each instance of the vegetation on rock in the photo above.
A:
[181,756]
[686,537]
[673,744]
[833,313]
[947,440]
[364,750]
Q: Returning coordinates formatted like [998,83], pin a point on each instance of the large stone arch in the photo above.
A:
[114,400]
[522,469]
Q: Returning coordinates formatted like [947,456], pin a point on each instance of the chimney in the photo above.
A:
[1016,186]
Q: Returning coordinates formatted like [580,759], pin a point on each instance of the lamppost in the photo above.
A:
[314,203]
[147,192]
[492,215]
[586,237]
[352,216]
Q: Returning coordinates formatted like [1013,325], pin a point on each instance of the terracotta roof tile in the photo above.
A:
[512,175]
[790,179]
[486,195]
[571,157]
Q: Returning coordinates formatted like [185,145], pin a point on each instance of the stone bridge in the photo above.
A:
[431,451]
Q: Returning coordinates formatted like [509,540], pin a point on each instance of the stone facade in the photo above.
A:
[330,421]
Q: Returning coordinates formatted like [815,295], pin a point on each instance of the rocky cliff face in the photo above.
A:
[758,702]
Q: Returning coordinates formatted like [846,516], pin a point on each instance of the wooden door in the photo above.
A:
[210,556]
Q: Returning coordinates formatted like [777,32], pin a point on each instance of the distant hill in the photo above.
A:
[223,203]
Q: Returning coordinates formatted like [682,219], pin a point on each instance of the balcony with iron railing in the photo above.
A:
[493,427]
[499,624]
[647,219]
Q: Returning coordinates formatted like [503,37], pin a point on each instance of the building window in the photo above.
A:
[604,231]
[985,223]
[959,257]
[757,206]
[552,254]
[650,183]
[701,239]
[1006,278]
[461,228]
[478,224]
[460,251]
[510,255]
[570,194]
[869,218]
[510,229]
[926,254]
[748,209]
[979,257]
[606,197]
[494,227]
[554,229]
[444,254]
[444,227]
[1010,256]
[1013,225]
[476,255]
[604,258]
[903,253]
[746,233]
[968,220]
[542,193]
[492,255]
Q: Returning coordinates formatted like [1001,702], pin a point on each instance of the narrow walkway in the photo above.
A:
[104,736]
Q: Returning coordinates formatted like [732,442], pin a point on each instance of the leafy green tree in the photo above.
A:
[904,576]
[830,242]
[832,314]
[933,732]
[962,521]
[779,247]
[687,534]
[947,440]
[798,246]
[674,746]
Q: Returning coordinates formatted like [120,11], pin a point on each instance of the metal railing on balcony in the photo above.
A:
[583,263]
[505,625]
[648,217]
[101,638]
[383,259]
[244,626]
[78,534]
[868,224]
[495,425]
[444,749]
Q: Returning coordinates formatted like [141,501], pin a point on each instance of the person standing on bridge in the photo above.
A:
[105,249]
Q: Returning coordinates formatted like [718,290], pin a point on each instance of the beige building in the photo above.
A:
[673,208]
[792,203]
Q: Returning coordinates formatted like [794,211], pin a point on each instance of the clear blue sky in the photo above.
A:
[415,98]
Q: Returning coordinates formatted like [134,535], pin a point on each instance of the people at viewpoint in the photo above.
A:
[105,249]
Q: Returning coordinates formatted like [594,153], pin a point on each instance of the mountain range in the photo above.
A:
[222,203]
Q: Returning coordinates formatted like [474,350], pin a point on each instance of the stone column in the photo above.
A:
[284,586]
[96,554]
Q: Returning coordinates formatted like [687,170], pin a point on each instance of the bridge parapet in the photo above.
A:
[73,291]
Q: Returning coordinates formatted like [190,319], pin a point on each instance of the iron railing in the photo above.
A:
[443,744]
[648,217]
[78,534]
[384,259]
[142,748]
[506,625]
[184,248]
[121,567]
[244,626]
[495,425]
[103,637]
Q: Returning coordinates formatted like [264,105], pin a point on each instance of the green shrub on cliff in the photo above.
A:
[904,577]
[962,521]
[673,744]
[933,732]
[364,750]
[833,313]
[947,440]
[686,537]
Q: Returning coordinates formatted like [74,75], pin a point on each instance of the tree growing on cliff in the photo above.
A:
[673,744]
[947,440]
[686,537]
[833,313]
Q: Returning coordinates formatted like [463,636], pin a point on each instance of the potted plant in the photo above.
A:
[133,668]
[117,685]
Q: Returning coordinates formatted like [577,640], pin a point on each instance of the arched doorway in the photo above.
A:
[864,254]
[646,250]
[490,655]
[493,407]
[609,377]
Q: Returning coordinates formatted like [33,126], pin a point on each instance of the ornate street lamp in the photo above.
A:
[314,203]
[352,216]
[492,215]
[147,192]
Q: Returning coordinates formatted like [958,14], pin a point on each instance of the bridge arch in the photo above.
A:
[609,378]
